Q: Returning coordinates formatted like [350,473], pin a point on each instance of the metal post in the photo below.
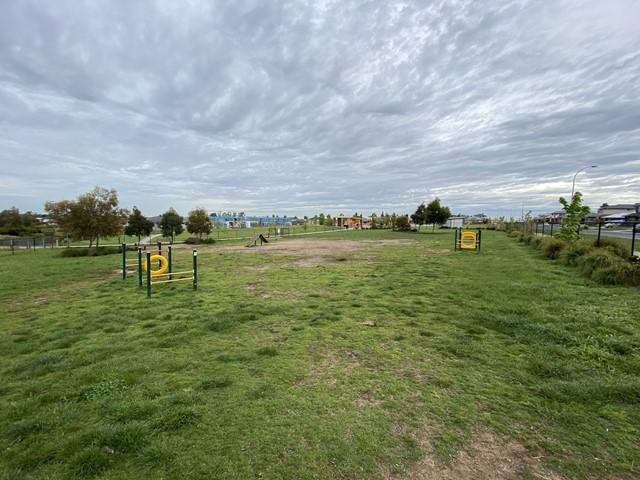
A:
[479,238]
[633,237]
[124,261]
[598,239]
[159,244]
[140,267]
[169,255]
[455,239]
[148,274]
[195,269]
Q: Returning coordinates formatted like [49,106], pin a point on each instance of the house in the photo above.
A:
[479,218]
[606,209]
[455,221]
[620,219]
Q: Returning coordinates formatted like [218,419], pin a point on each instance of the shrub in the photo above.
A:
[619,272]
[198,241]
[614,246]
[552,247]
[536,242]
[573,252]
[599,258]
[526,238]
[604,266]
[89,252]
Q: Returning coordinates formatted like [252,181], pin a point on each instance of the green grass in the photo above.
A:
[342,369]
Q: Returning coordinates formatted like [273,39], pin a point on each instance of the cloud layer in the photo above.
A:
[295,107]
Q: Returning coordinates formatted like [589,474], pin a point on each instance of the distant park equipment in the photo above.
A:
[254,240]
[467,240]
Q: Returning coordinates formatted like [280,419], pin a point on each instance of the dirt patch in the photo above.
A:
[313,253]
[487,457]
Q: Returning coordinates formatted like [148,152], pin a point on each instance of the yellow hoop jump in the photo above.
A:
[468,240]
[164,264]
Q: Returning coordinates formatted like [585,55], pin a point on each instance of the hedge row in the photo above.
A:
[607,263]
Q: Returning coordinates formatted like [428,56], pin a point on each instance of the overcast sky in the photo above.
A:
[299,107]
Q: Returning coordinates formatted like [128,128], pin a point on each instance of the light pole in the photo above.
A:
[573,186]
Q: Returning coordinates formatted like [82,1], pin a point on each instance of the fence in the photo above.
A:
[627,233]
[31,242]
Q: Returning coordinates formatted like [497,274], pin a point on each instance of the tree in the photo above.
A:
[198,222]
[419,217]
[436,214]
[138,225]
[575,212]
[328,221]
[171,224]
[374,221]
[92,215]
[402,223]
[12,222]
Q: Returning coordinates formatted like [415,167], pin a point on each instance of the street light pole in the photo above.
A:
[573,186]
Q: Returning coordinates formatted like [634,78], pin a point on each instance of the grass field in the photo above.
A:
[353,355]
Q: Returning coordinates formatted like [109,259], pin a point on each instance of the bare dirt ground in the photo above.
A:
[314,252]
[487,457]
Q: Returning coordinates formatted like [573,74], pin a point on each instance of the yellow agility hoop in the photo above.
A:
[468,240]
[164,264]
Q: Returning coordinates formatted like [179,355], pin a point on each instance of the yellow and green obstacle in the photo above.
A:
[467,240]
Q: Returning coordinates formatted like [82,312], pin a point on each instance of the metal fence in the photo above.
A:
[623,231]
[31,242]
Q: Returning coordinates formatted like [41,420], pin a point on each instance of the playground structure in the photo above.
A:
[353,221]
[164,273]
[467,240]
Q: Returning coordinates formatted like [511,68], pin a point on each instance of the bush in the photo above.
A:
[614,246]
[553,247]
[89,252]
[526,238]
[198,241]
[573,252]
[599,258]
[620,272]
[604,266]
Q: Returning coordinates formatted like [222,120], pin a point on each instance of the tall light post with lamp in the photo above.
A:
[573,185]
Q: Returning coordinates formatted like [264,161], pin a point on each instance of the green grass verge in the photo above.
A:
[344,368]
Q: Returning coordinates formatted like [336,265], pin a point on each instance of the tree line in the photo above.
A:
[97,214]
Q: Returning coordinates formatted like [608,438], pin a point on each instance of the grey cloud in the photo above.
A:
[281,104]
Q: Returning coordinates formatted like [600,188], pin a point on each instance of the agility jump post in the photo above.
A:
[169,277]
[467,240]
[139,264]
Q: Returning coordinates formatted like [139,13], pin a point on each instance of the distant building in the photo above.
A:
[606,209]
[228,220]
[455,222]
